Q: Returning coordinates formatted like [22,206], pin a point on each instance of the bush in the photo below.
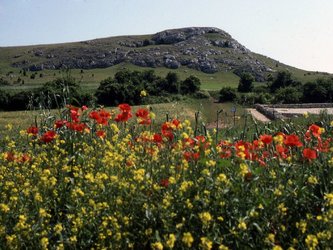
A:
[288,95]
[283,79]
[201,94]
[227,94]
[319,91]
[190,85]
[245,83]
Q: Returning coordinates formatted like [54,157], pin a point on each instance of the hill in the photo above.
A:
[211,53]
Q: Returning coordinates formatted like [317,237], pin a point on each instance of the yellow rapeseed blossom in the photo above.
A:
[187,239]
[206,244]
[143,93]
[44,242]
[311,241]
[329,198]
[4,208]
[242,225]
[205,218]
[244,169]
[157,246]
[171,241]
[223,247]
[312,180]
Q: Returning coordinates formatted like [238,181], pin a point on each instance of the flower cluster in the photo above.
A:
[96,179]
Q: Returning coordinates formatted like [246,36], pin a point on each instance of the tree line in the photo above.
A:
[126,86]
[281,88]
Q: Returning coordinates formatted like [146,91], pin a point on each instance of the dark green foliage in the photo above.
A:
[227,94]
[190,85]
[127,85]
[4,96]
[111,92]
[283,79]
[245,83]
[319,91]
[60,92]
[172,83]
[288,95]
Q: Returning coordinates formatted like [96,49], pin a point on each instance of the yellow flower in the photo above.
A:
[312,180]
[171,241]
[44,242]
[223,247]
[329,198]
[157,246]
[4,208]
[311,241]
[58,228]
[187,239]
[143,93]
[282,209]
[205,217]
[242,225]
[277,247]
[244,169]
[206,244]
[270,238]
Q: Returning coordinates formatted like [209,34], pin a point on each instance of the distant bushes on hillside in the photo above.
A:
[282,88]
[126,86]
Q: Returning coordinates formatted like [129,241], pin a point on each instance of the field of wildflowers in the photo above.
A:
[98,179]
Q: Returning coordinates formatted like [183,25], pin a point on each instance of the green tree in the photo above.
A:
[283,79]
[190,85]
[172,81]
[288,94]
[245,83]
[227,94]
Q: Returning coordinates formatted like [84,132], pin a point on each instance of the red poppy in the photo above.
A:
[123,117]
[226,154]
[315,130]
[48,136]
[94,115]
[79,127]
[164,182]
[32,130]
[158,138]
[84,107]
[176,122]
[266,139]
[282,152]
[10,156]
[100,133]
[142,113]
[309,154]
[292,141]
[74,115]
[124,107]
[25,158]
[60,123]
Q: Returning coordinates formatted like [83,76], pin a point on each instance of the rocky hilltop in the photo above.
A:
[205,49]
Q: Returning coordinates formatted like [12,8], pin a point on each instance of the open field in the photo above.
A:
[184,110]
[96,183]
[90,79]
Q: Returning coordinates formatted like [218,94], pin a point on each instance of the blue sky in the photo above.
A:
[295,32]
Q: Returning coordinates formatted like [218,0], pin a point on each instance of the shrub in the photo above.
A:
[245,83]
[190,85]
[288,95]
[227,94]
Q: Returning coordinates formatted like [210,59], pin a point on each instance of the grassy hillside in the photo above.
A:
[210,47]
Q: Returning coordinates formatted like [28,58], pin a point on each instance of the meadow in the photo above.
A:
[155,178]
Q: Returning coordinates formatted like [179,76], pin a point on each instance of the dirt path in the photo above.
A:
[258,116]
